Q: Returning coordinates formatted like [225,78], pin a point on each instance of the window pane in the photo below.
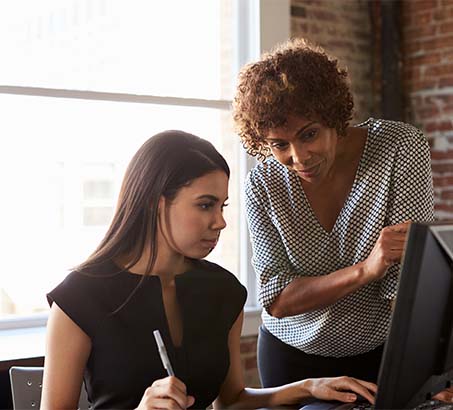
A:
[61,165]
[171,48]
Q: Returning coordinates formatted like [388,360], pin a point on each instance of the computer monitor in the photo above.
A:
[418,355]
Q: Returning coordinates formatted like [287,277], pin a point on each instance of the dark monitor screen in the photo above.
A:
[418,355]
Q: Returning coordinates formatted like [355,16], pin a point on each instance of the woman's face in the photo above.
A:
[305,147]
[191,223]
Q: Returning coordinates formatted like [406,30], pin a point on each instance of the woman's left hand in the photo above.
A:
[445,395]
[345,389]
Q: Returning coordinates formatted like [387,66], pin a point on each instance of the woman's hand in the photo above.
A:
[387,251]
[168,393]
[342,388]
[445,395]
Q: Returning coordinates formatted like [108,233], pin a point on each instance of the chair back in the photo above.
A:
[26,386]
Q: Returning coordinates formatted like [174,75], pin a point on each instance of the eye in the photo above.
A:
[280,146]
[206,205]
[310,134]
[224,206]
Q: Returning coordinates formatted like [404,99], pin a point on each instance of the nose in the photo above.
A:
[299,154]
[219,222]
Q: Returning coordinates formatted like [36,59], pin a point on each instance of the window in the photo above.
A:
[86,82]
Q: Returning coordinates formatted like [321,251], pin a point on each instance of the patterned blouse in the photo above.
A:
[393,183]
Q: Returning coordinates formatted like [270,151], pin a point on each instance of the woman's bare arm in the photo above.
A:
[67,351]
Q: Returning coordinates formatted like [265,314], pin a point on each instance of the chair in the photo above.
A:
[26,385]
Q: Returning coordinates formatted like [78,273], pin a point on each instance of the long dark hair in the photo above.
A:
[165,163]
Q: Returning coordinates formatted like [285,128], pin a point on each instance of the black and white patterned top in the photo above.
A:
[393,183]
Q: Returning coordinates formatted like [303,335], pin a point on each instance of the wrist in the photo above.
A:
[365,276]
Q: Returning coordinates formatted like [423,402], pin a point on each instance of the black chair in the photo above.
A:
[26,383]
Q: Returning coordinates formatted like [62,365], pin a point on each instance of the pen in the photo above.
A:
[163,353]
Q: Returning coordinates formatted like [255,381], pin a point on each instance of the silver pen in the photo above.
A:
[163,353]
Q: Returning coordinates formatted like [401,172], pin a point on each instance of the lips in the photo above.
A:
[307,171]
[211,243]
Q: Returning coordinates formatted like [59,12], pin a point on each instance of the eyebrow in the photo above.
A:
[211,197]
[297,133]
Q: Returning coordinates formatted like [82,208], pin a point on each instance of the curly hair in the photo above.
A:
[295,78]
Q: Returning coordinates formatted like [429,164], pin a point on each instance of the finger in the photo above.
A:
[445,395]
[368,385]
[351,384]
[345,397]
[167,391]
[173,381]
[190,401]
[165,403]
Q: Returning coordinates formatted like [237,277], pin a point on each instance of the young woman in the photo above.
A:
[148,274]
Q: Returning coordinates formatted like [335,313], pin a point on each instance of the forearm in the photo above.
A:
[305,294]
[294,393]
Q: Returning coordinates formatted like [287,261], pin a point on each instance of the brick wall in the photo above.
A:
[428,72]
[343,28]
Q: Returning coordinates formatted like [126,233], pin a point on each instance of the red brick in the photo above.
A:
[441,155]
[422,85]
[443,207]
[445,3]
[443,14]
[437,43]
[250,363]
[439,126]
[446,194]
[427,112]
[412,47]
[420,5]
[324,15]
[446,28]
[424,59]
[442,168]
[439,70]
[419,19]
[436,99]
[410,34]
[446,82]
[442,181]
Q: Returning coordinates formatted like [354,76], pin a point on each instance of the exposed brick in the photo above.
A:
[442,167]
[415,61]
[439,70]
[443,181]
[446,81]
[446,28]
[444,207]
[447,194]
[427,112]
[439,126]
[427,30]
[421,5]
[439,155]
[437,43]
[250,363]
[324,15]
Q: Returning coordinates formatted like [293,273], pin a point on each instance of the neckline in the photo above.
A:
[358,173]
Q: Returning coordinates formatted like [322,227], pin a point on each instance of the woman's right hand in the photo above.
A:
[387,251]
[168,393]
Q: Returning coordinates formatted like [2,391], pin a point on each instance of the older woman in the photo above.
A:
[328,212]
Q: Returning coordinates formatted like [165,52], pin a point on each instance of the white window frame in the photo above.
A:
[260,24]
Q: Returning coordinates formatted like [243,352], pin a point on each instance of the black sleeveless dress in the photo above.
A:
[124,359]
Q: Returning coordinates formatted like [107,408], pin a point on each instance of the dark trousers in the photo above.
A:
[279,363]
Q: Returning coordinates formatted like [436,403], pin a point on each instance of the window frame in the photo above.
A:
[259,25]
